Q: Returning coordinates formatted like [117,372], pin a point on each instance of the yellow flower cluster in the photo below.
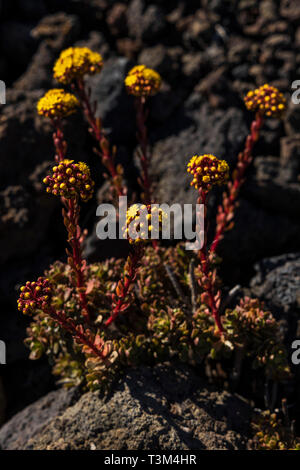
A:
[267,100]
[142,81]
[207,170]
[75,62]
[144,221]
[70,180]
[56,103]
[35,295]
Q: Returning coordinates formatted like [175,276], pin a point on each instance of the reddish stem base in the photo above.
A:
[71,223]
[205,265]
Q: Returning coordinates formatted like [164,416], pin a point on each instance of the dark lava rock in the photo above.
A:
[55,32]
[166,61]
[163,408]
[18,42]
[292,119]
[26,424]
[196,130]
[117,19]
[115,106]
[290,9]
[277,281]
[273,186]
[29,10]
[145,22]
[26,138]
[20,137]
[20,213]
[290,157]
[27,152]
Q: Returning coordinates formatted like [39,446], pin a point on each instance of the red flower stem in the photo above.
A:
[72,222]
[227,208]
[58,140]
[205,265]
[142,136]
[132,263]
[74,240]
[96,131]
[76,331]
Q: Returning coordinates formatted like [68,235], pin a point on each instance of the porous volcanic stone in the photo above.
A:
[167,407]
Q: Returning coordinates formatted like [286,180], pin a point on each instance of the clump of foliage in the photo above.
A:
[274,431]
[157,324]
[94,320]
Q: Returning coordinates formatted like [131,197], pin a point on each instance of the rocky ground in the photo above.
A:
[165,408]
[209,53]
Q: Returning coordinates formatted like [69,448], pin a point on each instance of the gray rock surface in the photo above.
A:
[164,408]
[200,129]
[26,424]
[145,22]
[54,32]
[114,103]
[277,281]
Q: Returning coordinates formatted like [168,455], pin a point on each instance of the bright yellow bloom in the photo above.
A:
[142,81]
[56,103]
[75,62]
[70,180]
[207,170]
[267,100]
[146,222]
[132,211]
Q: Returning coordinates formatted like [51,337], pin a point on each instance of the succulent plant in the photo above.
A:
[271,433]
[94,320]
